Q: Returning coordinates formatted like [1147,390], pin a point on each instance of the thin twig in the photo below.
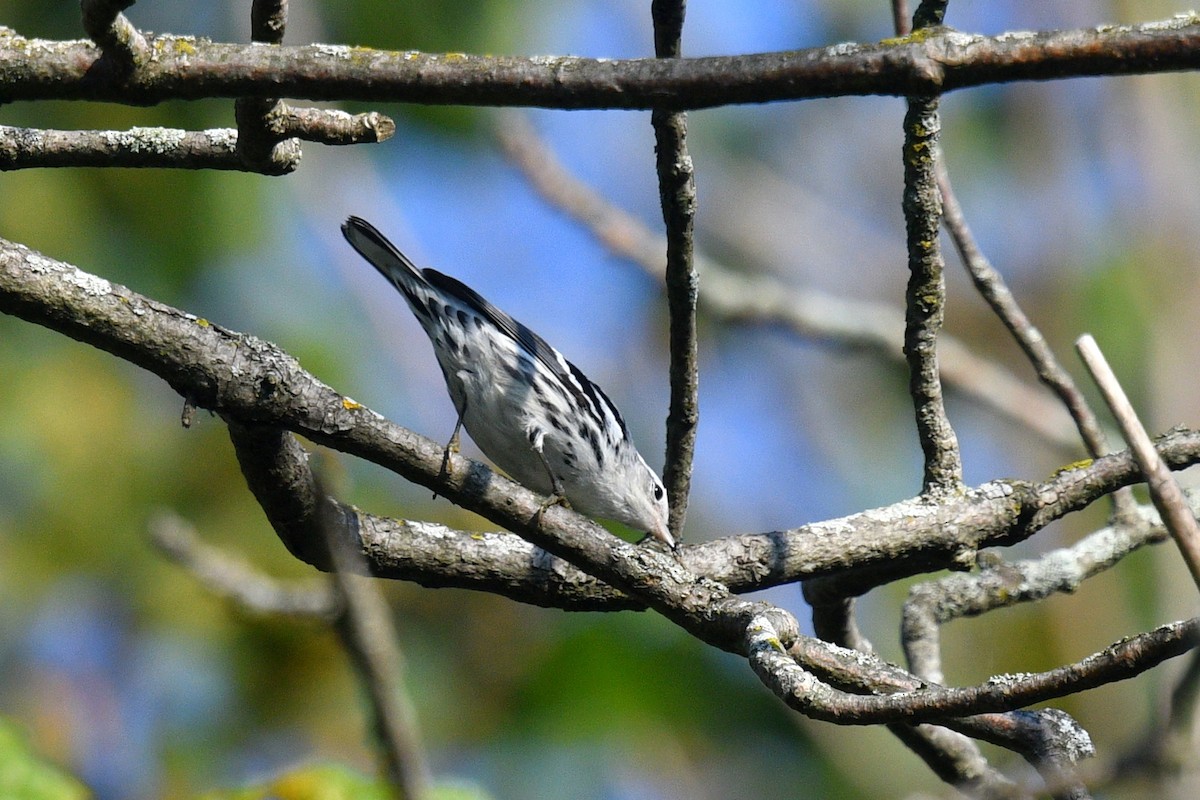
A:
[355,611]
[951,755]
[1185,698]
[993,289]
[958,761]
[170,148]
[1167,747]
[1000,584]
[900,23]
[925,297]
[677,192]
[1057,771]
[791,672]
[257,145]
[365,628]
[278,474]
[113,32]
[1165,492]
[995,292]
[229,577]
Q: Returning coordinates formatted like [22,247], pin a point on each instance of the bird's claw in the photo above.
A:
[555,499]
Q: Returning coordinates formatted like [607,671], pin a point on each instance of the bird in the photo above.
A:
[532,412]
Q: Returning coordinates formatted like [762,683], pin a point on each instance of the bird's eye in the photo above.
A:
[658,492]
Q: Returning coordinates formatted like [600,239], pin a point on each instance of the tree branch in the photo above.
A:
[1165,491]
[277,471]
[560,557]
[938,61]
[243,377]
[993,289]
[952,756]
[354,610]
[268,387]
[1000,584]
[791,672]
[25,148]
[677,193]
[925,297]
[114,33]
[1167,747]
[254,381]
[257,147]
[368,635]
[991,286]
[228,577]
[956,759]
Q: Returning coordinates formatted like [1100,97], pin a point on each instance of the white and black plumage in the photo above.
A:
[532,412]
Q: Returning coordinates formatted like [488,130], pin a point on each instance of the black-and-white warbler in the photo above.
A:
[532,412]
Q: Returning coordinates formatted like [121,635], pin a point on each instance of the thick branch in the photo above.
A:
[245,378]
[22,148]
[255,381]
[277,471]
[938,61]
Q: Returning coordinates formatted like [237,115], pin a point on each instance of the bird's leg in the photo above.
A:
[451,447]
[558,496]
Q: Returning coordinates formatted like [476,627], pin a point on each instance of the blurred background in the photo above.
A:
[118,667]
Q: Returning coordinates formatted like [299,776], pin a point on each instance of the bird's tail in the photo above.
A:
[383,255]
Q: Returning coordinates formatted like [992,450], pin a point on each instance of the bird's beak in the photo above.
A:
[663,535]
